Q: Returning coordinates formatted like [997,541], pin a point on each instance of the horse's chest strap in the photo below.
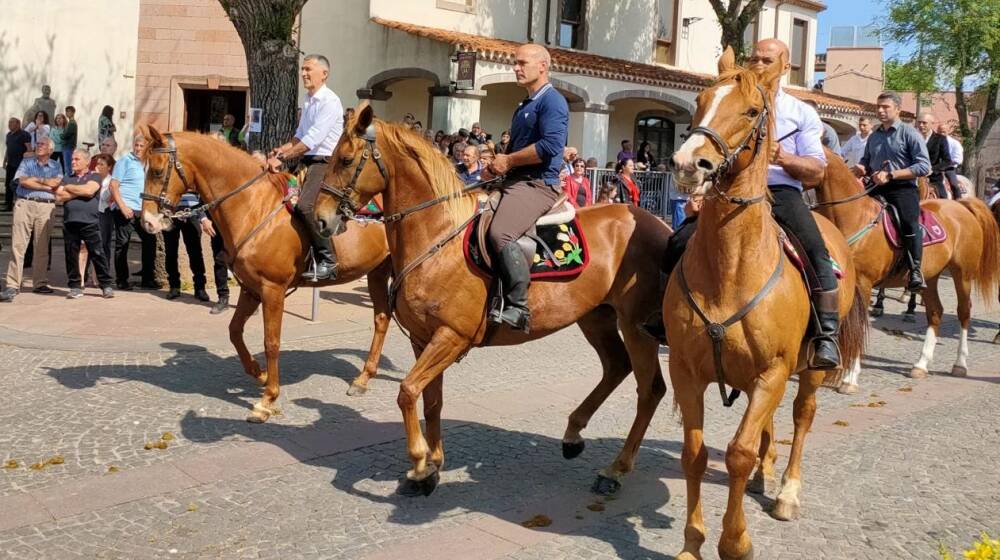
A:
[717,331]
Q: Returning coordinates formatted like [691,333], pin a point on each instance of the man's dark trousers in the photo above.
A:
[123,233]
[219,268]
[89,233]
[8,184]
[905,199]
[790,211]
[192,242]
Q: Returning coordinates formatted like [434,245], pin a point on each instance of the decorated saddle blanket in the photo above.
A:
[797,255]
[560,250]
[934,232]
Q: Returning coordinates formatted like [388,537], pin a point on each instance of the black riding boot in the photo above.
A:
[323,265]
[826,352]
[914,251]
[515,276]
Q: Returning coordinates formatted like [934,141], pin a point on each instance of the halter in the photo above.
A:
[757,135]
[173,164]
[345,203]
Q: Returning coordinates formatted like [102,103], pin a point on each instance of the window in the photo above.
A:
[467,6]
[659,132]
[571,28]
[798,48]
[666,31]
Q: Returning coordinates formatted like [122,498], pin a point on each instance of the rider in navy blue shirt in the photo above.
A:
[531,164]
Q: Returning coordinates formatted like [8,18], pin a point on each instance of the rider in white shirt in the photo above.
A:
[854,149]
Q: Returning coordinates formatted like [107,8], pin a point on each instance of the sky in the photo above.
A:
[852,12]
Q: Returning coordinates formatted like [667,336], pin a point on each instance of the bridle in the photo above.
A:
[756,136]
[174,163]
[346,205]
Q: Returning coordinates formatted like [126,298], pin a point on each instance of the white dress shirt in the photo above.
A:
[854,149]
[322,122]
[956,150]
[791,114]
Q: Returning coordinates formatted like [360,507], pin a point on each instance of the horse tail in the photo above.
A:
[987,278]
[854,329]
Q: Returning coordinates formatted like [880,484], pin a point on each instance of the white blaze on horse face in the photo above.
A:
[696,141]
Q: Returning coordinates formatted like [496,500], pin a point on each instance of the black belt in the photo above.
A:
[313,160]
[37,200]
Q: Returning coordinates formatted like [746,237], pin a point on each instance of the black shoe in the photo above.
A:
[174,293]
[124,286]
[221,306]
[152,285]
[201,295]
[655,328]
[323,265]
[8,295]
[916,281]
[43,289]
[321,269]
[515,277]
[825,351]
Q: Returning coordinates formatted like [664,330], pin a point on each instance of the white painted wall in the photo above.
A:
[86,69]
[624,29]
[498,107]
[408,96]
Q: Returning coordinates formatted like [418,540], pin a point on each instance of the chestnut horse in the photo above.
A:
[734,267]
[971,255]
[443,303]
[265,245]
[996,214]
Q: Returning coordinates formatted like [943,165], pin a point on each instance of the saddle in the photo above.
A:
[796,253]
[554,246]
[933,231]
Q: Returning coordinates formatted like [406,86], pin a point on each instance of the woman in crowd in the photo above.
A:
[444,145]
[437,137]
[628,187]
[577,185]
[504,142]
[608,192]
[56,134]
[645,156]
[486,154]
[38,129]
[103,164]
[429,136]
[106,124]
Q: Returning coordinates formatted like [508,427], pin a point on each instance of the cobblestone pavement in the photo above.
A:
[319,481]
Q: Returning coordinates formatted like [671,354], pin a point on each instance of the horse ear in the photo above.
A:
[363,118]
[151,134]
[728,61]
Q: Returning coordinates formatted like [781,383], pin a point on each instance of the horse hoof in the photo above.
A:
[877,312]
[748,555]
[688,556]
[918,373]
[261,413]
[785,510]
[909,318]
[356,390]
[959,371]
[572,449]
[414,488]
[847,389]
[605,486]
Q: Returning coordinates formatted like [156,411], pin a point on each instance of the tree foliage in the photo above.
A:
[734,19]
[962,38]
[912,75]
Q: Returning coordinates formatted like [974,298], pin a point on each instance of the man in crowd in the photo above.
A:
[219,268]
[957,153]
[319,130]
[855,147]
[457,151]
[127,183]
[469,170]
[592,163]
[229,131]
[477,135]
[626,151]
[531,165]
[895,156]
[937,152]
[37,180]
[191,231]
[79,194]
[108,147]
[18,142]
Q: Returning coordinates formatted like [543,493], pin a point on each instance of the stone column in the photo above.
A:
[588,129]
[452,110]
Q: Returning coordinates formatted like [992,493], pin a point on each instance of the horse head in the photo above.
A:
[732,123]
[166,180]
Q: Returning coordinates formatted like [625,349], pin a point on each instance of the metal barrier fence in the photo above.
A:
[656,189]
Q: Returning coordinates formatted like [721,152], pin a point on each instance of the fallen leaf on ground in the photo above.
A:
[840,423]
[167,436]
[192,507]
[858,405]
[113,469]
[596,506]
[11,464]
[878,404]
[37,466]
[56,460]
[155,445]
[537,521]
[784,442]
[905,389]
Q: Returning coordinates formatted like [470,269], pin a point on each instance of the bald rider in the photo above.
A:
[938,151]
[795,160]
[319,130]
[531,164]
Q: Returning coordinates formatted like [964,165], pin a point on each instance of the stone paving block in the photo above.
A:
[230,462]
[21,510]
[460,543]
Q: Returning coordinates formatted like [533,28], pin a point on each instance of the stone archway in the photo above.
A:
[684,108]
[572,92]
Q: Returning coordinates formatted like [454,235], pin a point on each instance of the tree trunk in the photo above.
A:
[734,22]
[974,140]
[266,29]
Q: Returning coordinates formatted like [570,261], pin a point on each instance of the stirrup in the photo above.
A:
[811,356]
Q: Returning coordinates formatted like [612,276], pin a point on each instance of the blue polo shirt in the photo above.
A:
[31,168]
[541,119]
[131,176]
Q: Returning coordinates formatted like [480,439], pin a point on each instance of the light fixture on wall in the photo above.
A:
[686,22]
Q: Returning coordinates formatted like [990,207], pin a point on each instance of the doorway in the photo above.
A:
[204,108]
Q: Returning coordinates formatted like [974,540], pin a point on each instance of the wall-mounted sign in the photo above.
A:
[256,120]
[466,77]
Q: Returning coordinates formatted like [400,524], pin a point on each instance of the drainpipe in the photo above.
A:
[531,21]
[548,20]
[777,8]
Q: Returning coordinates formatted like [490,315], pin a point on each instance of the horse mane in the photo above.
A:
[745,78]
[437,169]
[224,151]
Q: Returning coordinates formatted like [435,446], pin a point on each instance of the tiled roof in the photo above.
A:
[588,64]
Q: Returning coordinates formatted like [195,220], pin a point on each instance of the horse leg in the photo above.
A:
[442,351]
[963,287]
[767,453]
[378,283]
[787,505]
[879,308]
[910,315]
[650,386]
[849,385]
[932,302]
[694,458]
[600,328]
[245,307]
[433,401]
[741,455]
[274,309]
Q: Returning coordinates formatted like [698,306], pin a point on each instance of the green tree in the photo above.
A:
[917,75]
[734,20]
[267,31]
[962,37]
